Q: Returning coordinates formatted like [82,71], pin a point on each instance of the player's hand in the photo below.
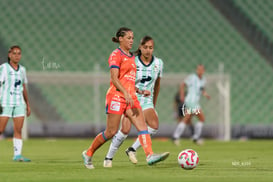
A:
[146,93]
[28,111]
[128,98]
[207,95]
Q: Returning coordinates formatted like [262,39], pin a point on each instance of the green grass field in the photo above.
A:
[60,160]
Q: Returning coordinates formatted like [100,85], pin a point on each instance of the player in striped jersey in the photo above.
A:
[14,99]
[149,73]
[196,87]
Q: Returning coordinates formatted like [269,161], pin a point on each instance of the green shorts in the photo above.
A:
[14,111]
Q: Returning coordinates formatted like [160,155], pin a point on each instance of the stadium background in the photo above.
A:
[69,41]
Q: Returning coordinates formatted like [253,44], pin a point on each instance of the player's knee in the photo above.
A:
[125,131]
[110,133]
[18,132]
[153,123]
[202,119]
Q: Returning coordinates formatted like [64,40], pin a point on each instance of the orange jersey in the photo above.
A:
[127,72]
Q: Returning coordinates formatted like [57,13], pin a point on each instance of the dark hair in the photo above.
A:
[120,33]
[142,42]
[13,47]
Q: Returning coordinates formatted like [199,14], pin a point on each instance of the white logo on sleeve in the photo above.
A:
[115,106]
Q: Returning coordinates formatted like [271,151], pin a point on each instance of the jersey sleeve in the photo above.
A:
[188,80]
[24,76]
[161,69]
[2,74]
[114,60]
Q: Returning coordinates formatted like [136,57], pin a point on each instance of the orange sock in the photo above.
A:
[146,142]
[97,142]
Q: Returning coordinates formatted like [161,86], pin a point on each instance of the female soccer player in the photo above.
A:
[121,99]
[149,72]
[14,99]
[196,86]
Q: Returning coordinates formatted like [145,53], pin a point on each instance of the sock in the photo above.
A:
[97,142]
[17,146]
[197,130]
[146,142]
[115,144]
[137,144]
[152,131]
[179,130]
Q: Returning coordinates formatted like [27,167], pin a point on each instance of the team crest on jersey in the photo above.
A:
[156,68]
[115,106]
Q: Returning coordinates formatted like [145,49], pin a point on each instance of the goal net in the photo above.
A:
[73,104]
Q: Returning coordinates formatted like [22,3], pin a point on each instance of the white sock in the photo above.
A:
[179,130]
[198,130]
[152,131]
[17,146]
[115,144]
[136,145]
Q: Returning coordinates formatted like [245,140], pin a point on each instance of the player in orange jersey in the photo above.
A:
[121,99]
[148,76]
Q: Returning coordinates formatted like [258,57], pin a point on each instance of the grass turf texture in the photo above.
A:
[60,160]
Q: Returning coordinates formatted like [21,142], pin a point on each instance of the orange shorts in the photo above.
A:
[116,104]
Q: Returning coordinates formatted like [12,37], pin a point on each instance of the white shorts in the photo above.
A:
[13,111]
[192,108]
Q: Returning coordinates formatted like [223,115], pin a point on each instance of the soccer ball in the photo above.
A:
[188,159]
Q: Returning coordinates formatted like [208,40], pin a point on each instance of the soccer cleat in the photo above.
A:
[87,160]
[107,162]
[155,158]
[20,158]
[198,141]
[176,142]
[131,153]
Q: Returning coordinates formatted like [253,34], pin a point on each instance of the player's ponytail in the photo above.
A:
[120,33]
[115,39]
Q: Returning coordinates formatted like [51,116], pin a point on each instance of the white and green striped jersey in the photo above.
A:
[11,85]
[195,85]
[146,77]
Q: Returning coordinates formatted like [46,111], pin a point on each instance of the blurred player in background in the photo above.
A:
[195,84]
[14,99]
[121,99]
[148,75]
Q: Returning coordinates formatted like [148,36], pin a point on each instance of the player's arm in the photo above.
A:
[114,78]
[145,93]
[156,90]
[2,75]
[204,93]
[182,91]
[2,81]
[25,95]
